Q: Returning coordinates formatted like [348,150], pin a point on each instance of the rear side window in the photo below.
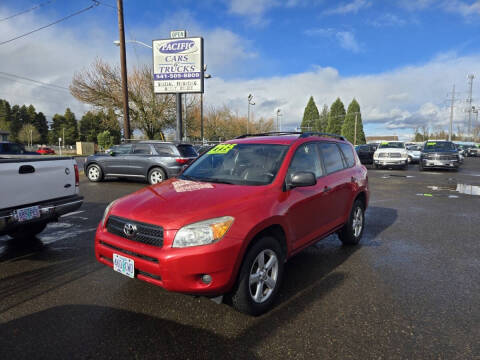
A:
[123,149]
[306,158]
[142,149]
[347,151]
[187,151]
[164,149]
[332,159]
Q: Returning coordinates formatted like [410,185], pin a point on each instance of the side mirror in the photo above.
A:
[112,153]
[301,179]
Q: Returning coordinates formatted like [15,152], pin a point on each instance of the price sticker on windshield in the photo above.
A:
[222,149]
[384,143]
[431,144]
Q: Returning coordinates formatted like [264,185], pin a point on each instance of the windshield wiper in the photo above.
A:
[219,181]
[188,177]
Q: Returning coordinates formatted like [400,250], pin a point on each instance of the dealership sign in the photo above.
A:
[178,65]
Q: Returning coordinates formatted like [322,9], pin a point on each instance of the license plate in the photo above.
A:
[25,214]
[124,265]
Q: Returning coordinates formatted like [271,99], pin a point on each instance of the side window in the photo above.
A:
[123,149]
[142,149]
[332,159]
[164,150]
[347,151]
[306,158]
[15,149]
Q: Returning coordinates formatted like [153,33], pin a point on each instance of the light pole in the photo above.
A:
[117,43]
[123,63]
[279,128]
[205,76]
[250,102]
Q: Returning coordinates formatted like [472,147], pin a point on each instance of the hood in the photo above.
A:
[390,150]
[175,202]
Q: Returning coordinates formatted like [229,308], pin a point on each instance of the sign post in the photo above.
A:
[178,68]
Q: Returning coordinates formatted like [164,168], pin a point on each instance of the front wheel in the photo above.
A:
[94,173]
[156,175]
[260,277]
[27,232]
[352,231]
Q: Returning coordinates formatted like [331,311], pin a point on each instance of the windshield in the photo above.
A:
[240,164]
[392,145]
[439,146]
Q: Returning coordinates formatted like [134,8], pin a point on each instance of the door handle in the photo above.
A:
[326,189]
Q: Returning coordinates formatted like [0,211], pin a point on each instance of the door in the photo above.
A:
[307,205]
[117,162]
[139,161]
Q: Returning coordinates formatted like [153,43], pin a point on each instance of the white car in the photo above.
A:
[414,152]
[390,154]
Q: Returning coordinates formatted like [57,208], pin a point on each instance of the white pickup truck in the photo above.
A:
[35,191]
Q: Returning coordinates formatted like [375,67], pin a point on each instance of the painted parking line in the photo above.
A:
[73,213]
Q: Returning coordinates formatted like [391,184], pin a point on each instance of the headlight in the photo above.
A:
[203,232]
[105,213]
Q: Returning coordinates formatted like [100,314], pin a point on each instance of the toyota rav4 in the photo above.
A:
[230,221]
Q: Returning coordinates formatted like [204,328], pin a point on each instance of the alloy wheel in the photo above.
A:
[357,222]
[263,276]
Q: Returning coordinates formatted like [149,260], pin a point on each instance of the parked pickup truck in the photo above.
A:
[35,191]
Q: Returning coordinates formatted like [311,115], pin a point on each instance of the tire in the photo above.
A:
[405,167]
[94,173]
[352,231]
[30,231]
[156,175]
[252,295]
[410,160]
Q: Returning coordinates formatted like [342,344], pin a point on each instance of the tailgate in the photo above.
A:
[30,181]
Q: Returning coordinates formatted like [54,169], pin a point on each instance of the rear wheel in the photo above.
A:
[352,231]
[28,232]
[156,175]
[259,278]
[94,173]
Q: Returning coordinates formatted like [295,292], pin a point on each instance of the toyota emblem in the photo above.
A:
[129,229]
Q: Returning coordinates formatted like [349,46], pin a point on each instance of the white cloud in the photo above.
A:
[351,7]
[387,19]
[463,8]
[346,39]
[253,9]
[394,100]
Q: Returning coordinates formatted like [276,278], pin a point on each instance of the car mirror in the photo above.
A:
[301,179]
[112,153]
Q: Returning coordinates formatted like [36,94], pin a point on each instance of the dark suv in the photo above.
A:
[230,221]
[439,154]
[154,161]
[10,148]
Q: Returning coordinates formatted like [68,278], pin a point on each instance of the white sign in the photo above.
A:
[178,65]
[177,34]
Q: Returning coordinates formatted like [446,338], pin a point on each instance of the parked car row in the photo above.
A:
[432,154]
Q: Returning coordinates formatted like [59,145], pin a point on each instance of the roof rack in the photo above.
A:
[313,133]
[272,133]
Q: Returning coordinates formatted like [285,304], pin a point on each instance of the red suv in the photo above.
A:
[230,221]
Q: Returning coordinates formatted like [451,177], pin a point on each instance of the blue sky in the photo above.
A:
[399,58]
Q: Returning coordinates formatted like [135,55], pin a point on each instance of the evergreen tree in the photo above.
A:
[31,113]
[56,128]
[348,128]
[15,123]
[5,115]
[71,127]
[310,116]
[321,124]
[335,117]
[40,122]
[109,121]
[90,126]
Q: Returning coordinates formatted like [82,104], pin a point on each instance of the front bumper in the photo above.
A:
[49,211]
[391,162]
[174,269]
[442,164]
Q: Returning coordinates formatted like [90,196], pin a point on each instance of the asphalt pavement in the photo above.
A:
[410,290]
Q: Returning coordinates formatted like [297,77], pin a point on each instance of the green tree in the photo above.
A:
[56,128]
[5,115]
[15,123]
[310,116]
[109,121]
[71,127]
[322,122]
[89,125]
[30,115]
[348,127]
[105,140]
[40,122]
[335,117]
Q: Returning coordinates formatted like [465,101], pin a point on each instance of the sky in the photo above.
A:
[398,58]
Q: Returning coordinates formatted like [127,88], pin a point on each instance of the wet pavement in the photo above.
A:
[411,290]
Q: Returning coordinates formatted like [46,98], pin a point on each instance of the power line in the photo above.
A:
[95,3]
[53,86]
[27,10]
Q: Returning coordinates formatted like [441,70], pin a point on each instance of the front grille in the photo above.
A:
[395,155]
[382,155]
[447,157]
[144,257]
[145,234]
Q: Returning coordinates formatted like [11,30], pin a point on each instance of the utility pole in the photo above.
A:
[250,102]
[278,115]
[451,114]
[123,63]
[63,137]
[469,102]
[201,117]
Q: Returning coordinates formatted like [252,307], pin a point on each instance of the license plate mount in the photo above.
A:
[124,265]
[29,213]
